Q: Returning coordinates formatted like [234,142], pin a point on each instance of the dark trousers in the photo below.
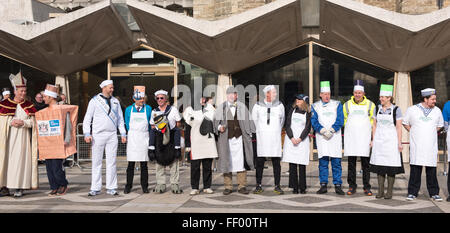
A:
[260,168]
[206,170]
[130,175]
[55,173]
[351,178]
[297,180]
[415,179]
[448,179]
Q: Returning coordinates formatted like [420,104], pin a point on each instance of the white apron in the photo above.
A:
[423,137]
[358,130]
[236,154]
[385,142]
[327,116]
[268,136]
[138,137]
[298,154]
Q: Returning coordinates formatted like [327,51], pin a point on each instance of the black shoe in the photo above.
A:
[4,192]
[351,191]
[243,191]
[258,189]
[53,193]
[227,191]
[295,191]
[127,190]
[145,190]
[448,198]
[323,189]
[278,190]
[338,189]
[303,191]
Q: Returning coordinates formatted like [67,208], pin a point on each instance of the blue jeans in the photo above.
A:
[336,169]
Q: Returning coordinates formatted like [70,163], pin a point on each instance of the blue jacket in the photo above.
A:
[337,124]
[130,108]
[446,113]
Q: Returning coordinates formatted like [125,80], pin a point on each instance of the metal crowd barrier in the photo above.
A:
[84,149]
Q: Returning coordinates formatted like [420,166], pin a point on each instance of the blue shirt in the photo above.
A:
[132,107]
[337,124]
[446,114]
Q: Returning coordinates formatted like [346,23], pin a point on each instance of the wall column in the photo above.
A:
[223,82]
[63,82]
[403,99]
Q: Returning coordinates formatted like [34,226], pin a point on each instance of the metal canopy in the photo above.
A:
[68,43]
[388,39]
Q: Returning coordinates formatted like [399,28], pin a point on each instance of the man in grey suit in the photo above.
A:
[234,126]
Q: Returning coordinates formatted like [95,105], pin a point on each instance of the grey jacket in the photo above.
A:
[247,128]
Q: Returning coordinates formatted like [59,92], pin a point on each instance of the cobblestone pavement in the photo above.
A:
[77,201]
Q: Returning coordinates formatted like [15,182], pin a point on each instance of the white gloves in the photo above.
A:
[323,131]
[328,133]
[187,149]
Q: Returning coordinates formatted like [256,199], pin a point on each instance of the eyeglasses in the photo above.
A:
[160,98]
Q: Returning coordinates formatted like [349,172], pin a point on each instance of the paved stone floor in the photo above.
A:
[77,201]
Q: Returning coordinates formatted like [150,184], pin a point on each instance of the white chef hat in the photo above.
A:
[105,83]
[428,92]
[268,88]
[386,90]
[51,90]
[359,85]
[161,92]
[325,86]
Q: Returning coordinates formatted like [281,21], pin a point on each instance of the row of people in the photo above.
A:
[154,135]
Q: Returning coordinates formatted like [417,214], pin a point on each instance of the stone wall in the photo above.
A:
[218,9]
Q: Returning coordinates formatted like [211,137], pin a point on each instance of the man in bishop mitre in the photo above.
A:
[18,140]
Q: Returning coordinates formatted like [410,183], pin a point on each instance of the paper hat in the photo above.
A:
[302,97]
[105,83]
[386,90]
[325,86]
[138,92]
[6,91]
[268,88]
[161,92]
[18,80]
[428,92]
[359,85]
[231,89]
[51,90]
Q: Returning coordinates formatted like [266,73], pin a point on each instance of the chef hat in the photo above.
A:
[231,89]
[18,80]
[139,92]
[6,91]
[359,85]
[268,88]
[51,90]
[302,97]
[161,92]
[105,83]
[428,92]
[325,86]
[386,90]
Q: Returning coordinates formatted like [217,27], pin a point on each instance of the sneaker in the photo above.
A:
[4,192]
[227,191]
[437,198]
[194,192]
[53,193]
[112,192]
[208,191]
[351,191]
[18,193]
[62,190]
[278,190]
[258,189]
[368,192]
[410,197]
[243,191]
[93,193]
[323,189]
[338,189]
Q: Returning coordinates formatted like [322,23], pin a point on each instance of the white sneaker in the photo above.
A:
[410,197]
[194,192]
[436,198]
[112,192]
[208,191]
[93,193]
